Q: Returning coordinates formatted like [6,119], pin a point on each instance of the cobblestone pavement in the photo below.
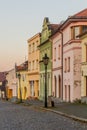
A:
[79,110]
[19,117]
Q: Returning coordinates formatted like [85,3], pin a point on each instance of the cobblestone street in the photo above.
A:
[19,117]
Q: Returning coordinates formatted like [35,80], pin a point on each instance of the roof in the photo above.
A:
[81,13]
[53,27]
[33,37]
[22,67]
[80,16]
[2,76]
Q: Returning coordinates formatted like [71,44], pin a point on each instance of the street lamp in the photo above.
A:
[19,77]
[6,90]
[45,61]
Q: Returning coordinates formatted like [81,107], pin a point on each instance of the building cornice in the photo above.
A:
[32,38]
[72,41]
[58,68]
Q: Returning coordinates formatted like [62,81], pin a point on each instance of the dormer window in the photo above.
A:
[84,29]
[75,32]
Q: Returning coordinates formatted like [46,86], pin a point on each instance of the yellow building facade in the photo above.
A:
[84,67]
[33,65]
[22,82]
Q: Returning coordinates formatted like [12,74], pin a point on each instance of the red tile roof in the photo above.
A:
[22,67]
[53,27]
[80,16]
[2,76]
[81,13]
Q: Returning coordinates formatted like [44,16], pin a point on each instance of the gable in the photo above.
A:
[46,31]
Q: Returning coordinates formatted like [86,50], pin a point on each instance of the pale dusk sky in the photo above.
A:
[21,19]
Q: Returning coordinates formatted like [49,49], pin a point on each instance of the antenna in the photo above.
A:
[25,58]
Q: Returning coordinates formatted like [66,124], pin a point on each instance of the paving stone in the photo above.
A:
[19,117]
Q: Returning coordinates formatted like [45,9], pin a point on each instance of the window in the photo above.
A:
[68,64]
[69,92]
[65,65]
[29,67]
[29,48]
[33,47]
[83,29]
[65,92]
[33,65]
[75,32]
[54,54]
[36,64]
[23,77]
[36,44]
[59,51]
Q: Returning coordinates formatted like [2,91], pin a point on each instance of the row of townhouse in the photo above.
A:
[62,44]
[65,45]
[67,57]
[13,85]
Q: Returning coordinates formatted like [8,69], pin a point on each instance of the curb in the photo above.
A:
[83,120]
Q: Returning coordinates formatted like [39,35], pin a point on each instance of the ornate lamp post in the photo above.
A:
[45,61]
[19,77]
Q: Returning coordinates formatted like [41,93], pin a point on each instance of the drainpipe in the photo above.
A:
[62,59]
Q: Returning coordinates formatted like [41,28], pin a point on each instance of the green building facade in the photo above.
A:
[46,48]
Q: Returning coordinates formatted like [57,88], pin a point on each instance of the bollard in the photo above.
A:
[52,103]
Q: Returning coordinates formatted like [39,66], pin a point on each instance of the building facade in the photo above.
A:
[12,84]
[22,80]
[57,65]
[33,65]
[46,48]
[66,41]
[72,27]
[84,67]
[3,85]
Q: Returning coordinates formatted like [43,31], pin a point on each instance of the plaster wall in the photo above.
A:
[12,82]
[73,77]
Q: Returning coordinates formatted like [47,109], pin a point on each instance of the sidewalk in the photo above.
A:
[71,110]
[75,111]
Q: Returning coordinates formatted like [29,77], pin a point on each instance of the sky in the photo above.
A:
[22,19]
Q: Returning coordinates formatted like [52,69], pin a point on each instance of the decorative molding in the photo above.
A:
[33,73]
[58,68]
[72,41]
[74,48]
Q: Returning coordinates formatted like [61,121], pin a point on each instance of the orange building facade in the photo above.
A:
[33,65]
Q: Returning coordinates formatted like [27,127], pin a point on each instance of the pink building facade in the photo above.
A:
[67,57]
[57,66]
